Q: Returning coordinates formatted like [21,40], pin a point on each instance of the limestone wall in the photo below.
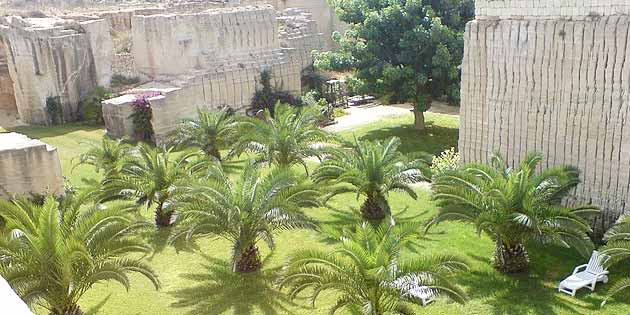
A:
[550,8]
[556,86]
[300,35]
[7,96]
[202,41]
[51,57]
[232,88]
[28,166]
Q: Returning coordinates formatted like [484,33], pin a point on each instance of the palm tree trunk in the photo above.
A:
[71,310]
[375,208]
[162,218]
[249,260]
[511,258]
[214,152]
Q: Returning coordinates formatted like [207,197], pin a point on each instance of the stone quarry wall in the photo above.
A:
[28,167]
[300,35]
[211,59]
[550,8]
[8,109]
[560,86]
[49,59]
[203,41]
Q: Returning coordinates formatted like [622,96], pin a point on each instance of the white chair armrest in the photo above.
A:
[577,269]
[603,273]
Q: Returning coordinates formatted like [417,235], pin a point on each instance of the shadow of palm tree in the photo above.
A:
[159,239]
[433,140]
[220,290]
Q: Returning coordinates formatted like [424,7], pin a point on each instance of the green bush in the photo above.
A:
[91,109]
[447,161]
[54,109]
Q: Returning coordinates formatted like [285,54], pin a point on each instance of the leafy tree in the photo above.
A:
[368,274]
[211,132]
[110,156]
[247,211]
[286,139]
[515,207]
[401,49]
[371,169]
[618,248]
[155,177]
[56,252]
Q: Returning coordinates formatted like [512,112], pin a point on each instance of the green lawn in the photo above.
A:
[196,281]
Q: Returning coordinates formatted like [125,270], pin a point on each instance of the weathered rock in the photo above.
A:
[28,167]
[552,78]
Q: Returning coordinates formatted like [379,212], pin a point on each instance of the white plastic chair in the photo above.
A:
[412,287]
[586,276]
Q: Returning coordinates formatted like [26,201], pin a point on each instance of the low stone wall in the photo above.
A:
[124,64]
[28,167]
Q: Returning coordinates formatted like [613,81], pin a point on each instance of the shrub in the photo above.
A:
[267,97]
[447,161]
[91,109]
[54,109]
[141,117]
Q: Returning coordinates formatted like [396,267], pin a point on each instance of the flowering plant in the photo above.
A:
[142,115]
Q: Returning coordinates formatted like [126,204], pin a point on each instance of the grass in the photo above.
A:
[197,281]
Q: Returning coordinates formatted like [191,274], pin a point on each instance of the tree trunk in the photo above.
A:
[163,218]
[375,208]
[72,310]
[214,152]
[249,260]
[418,119]
[511,259]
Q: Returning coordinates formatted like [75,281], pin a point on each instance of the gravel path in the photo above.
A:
[361,115]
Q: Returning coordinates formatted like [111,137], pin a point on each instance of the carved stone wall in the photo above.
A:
[52,57]
[560,86]
[28,167]
[550,8]
[8,109]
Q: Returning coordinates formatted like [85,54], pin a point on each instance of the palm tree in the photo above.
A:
[286,139]
[515,207]
[372,169]
[155,177]
[110,156]
[618,248]
[248,211]
[211,132]
[367,273]
[56,252]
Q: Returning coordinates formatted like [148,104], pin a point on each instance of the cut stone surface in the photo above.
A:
[28,167]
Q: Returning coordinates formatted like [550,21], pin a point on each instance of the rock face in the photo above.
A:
[211,59]
[552,78]
[50,57]
[28,167]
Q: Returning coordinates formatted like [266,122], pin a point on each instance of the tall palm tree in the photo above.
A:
[248,211]
[211,132]
[286,139]
[56,252]
[618,248]
[515,207]
[110,156]
[367,273]
[371,169]
[155,177]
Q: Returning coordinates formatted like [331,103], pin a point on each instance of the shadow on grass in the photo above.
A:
[433,140]
[159,239]
[218,290]
[37,132]
[527,293]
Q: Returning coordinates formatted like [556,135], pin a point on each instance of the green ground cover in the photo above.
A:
[195,279]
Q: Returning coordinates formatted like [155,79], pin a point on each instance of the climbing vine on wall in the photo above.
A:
[141,117]
[54,110]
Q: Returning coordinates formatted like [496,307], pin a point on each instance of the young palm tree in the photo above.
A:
[155,177]
[368,274]
[248,211]
[286,139]
[515,207]
[618,248]
[110,156]
[211,132]
[56,252]
[372,169]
